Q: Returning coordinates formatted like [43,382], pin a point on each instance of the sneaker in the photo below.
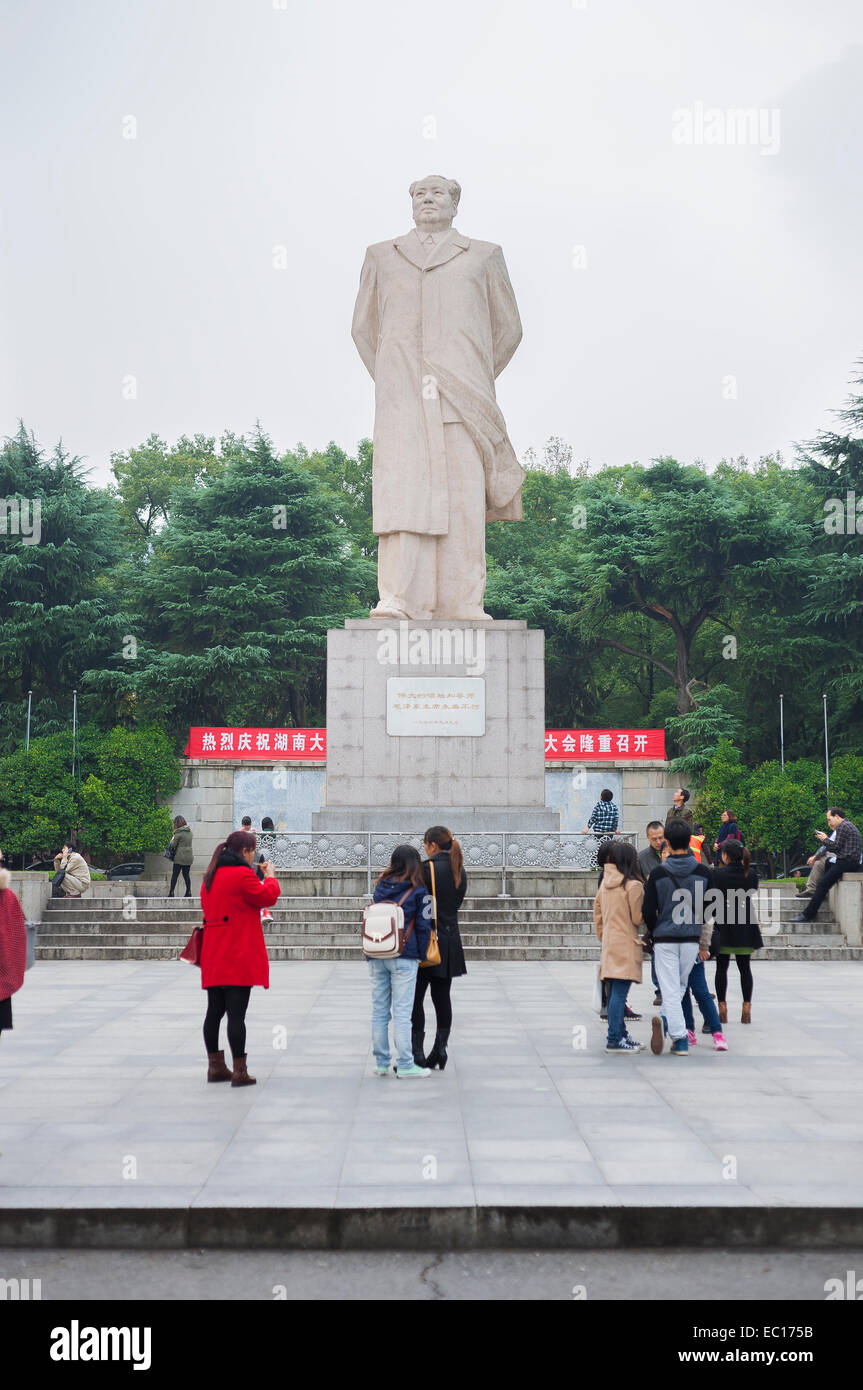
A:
[692,1037]
[657,1039]
[705,1028]
[382,1071]
[719,1043]
[409,1073]
[625,1045]
[680,1047]
[801,917]
[628,1014]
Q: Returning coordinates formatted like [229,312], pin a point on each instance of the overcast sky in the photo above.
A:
[300,126]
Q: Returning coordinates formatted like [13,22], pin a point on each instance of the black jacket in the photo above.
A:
[736,918]
[449,900]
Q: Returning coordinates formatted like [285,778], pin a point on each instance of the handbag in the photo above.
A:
[56,880]
[433,952]
[170,851]
[191,952]
[596,999]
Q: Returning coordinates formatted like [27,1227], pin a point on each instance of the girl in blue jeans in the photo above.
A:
[394,980]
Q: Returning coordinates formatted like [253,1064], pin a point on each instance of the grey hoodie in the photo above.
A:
[674,901]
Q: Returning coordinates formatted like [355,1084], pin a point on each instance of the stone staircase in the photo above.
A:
[327,928]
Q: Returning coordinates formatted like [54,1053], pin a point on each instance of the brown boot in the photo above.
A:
[241,1076]
[746,1015]
[723,1012]
[217,1071]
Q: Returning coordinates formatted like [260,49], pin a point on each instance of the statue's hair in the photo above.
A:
[454,188]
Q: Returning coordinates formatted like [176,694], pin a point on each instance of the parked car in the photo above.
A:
[125,871]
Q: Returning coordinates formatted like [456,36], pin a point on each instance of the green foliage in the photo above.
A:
[115,810]
[701,731]
[846,787]
[57,608]
[780,813]
[38,805]
[235,600]
[119,806]
[146,478]
[724,787]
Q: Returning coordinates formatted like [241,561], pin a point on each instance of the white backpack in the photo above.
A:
[384,933]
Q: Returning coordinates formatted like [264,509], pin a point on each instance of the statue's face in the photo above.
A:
[432,203]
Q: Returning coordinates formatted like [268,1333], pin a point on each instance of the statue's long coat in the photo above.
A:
[434,335]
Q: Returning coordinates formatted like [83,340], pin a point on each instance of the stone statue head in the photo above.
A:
[435,201]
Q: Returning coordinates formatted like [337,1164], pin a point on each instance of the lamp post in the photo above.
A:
[29,709]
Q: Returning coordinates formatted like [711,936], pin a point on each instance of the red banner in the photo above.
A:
[266,745]
[302,745]
[589,745]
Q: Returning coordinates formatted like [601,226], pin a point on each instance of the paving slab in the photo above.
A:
[105,1065]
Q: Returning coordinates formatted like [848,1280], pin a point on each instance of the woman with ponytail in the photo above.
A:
[233,955]
[736,881]
[444,875]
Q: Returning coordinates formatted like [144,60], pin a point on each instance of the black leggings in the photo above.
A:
[745,968]
[440,998]
[232,1000]
[175,874]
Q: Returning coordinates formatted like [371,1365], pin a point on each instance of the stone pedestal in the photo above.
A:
[380,781]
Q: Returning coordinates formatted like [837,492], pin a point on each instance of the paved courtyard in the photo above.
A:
[103,1100]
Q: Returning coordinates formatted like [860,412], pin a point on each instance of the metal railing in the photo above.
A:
[295,851]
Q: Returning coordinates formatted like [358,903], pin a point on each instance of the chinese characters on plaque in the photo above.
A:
[436,706]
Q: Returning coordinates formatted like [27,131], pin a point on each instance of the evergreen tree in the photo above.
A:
[58,609]
[235,599]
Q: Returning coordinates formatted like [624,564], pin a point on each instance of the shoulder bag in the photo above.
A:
[433,952]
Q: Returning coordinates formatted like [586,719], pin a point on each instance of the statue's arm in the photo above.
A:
[505,321]
[364,330]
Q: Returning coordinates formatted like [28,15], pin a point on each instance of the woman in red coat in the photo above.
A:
[13,948]
[234,954]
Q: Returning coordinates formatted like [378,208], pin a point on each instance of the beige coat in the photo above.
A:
[617,917]
[434,333]
[77,878]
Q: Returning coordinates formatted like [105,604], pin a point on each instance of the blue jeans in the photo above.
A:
[617,992]
[393,987]
[700,988]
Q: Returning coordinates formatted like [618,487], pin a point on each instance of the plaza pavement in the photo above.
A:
[104,1103]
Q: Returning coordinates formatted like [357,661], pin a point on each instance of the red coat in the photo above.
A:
[234,951]
[13,939]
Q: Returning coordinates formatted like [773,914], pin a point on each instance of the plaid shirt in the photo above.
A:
[604,816]
[848,844]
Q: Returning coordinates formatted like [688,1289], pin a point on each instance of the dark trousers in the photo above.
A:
[440,998]
[175,874]
[745,968]
[232,1000]
[832,873]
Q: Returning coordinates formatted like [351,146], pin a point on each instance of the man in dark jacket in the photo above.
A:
[848,848]
[673,910]
[649,858]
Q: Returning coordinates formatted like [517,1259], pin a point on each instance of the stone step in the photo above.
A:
[498,953]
